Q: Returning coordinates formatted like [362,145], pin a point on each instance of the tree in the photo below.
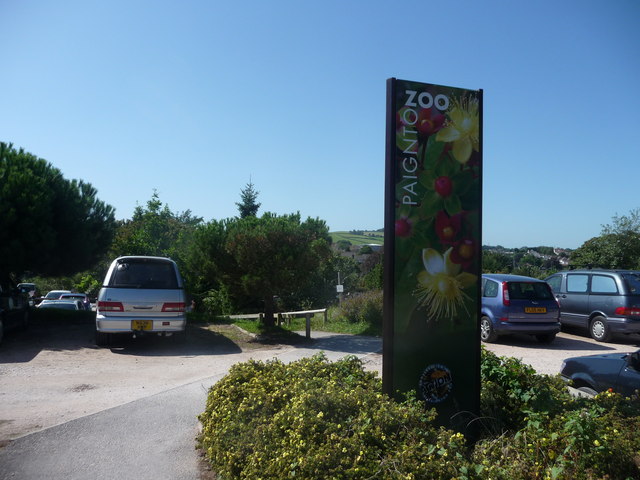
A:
[155,230]
[276,255]
[49,225]
[618,246]
[248,207]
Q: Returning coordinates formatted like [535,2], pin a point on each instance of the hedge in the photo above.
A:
[314,419]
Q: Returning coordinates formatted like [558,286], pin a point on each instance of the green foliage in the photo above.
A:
[217,302]
[49,225]
[314,419]
[363,307]
[155,230]
[276,255]
[248,207]
[511,389]
[344,245]
[618,246]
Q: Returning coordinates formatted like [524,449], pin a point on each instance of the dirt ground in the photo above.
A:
[51,374]
[54,373]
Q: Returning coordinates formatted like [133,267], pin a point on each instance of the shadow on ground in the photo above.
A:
[73,334]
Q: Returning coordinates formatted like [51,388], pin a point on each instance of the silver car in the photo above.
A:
[141,295]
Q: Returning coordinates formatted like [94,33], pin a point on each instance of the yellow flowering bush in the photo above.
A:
[315,419]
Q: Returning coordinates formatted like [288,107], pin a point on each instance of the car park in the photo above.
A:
[606,302]
[517,304]
[593,374]
[141,295]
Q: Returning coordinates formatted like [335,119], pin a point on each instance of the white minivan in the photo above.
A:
[141,295]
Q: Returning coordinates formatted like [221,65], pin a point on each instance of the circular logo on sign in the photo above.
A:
[436,383]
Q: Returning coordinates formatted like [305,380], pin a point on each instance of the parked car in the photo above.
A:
[597,373]
[517,304]
[84,298]
[141,295]
[64,304]
[605,302]
[14,310]
[55,294]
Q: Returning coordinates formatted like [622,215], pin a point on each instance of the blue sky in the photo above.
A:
[195,98]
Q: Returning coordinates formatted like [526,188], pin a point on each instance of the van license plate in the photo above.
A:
[141,325]
[535,309]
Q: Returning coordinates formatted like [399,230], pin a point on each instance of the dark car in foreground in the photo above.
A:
[517,304]
[598,373]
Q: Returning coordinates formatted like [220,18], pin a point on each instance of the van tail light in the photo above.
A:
[628,312]
[110,306]
[505,294]
[173,307]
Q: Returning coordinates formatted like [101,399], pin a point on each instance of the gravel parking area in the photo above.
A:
[51,374]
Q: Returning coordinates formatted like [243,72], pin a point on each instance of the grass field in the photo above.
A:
[364,239]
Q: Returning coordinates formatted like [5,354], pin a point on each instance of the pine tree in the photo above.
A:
[248,207]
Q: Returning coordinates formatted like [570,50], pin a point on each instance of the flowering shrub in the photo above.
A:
[314,419]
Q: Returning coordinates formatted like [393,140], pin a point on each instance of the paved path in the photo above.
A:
[149,438]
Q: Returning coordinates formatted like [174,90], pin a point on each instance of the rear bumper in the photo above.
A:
[123,324]
[526,328]
[624,325]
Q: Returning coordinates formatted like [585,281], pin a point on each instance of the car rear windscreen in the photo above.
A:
[144,274]
[529,291]
[633,282]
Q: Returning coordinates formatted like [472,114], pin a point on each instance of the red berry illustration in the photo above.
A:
[443,186]
[403,227]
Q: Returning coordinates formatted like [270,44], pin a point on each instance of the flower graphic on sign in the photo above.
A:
[462,129]
[441,285]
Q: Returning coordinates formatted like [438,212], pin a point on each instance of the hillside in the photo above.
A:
[358,237]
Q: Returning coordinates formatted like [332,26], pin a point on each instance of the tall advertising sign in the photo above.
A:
[433,221]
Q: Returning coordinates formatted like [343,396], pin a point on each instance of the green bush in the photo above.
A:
[217,302]
[363,308]
[314,419]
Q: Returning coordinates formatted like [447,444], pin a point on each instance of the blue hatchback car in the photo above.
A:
[517,304]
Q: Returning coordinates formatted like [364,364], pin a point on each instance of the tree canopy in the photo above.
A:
[48,225]
[277,255]
[154,230]
[618,246]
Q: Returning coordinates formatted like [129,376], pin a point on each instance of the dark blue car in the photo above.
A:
[517,304]
[597,373]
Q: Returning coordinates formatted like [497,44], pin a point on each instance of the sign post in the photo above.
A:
[433,207]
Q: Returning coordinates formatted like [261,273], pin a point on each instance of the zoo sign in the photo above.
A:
[433,207]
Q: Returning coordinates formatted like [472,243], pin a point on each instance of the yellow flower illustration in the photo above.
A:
[441,285]
[462,128]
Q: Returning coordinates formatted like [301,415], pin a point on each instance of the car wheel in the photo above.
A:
[599,329]
[546,337]
[102,339]
[588,390]
[487,334]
